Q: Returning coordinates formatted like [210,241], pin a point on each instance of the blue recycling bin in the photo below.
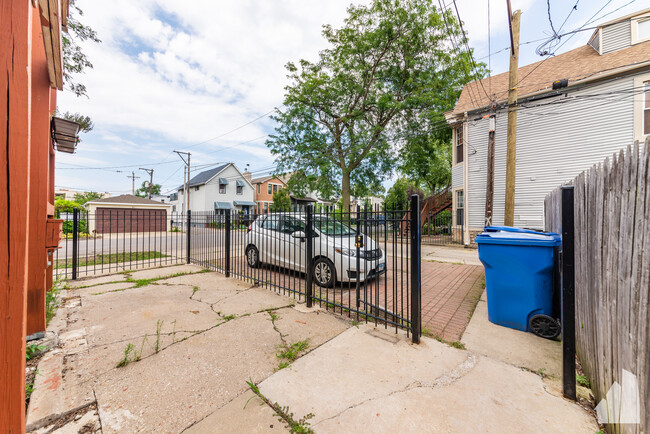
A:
[519,266]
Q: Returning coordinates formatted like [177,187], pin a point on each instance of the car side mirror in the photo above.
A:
[299,234]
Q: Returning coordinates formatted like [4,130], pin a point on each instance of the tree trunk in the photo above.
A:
[345,191]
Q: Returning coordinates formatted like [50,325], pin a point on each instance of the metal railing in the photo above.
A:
[363,264]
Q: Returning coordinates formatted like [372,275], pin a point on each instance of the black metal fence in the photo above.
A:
[363,264]
[114,241]
[442,228]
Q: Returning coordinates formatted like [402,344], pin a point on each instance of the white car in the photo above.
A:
[280,239]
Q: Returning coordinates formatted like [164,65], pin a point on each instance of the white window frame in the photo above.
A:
[455,208]
[455,128]
[639,106]
[635,30]
[240,190]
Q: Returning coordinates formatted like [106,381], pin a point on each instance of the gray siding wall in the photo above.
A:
[595,41]
[617,36]
[457,176]
[554,144]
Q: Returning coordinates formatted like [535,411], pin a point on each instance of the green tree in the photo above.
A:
[397,197]
[390,63]
[75,60]
[427,161]
[281,201]
[82,198]
[64,206]
[143,191]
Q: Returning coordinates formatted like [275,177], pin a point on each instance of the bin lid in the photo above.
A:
[517,236]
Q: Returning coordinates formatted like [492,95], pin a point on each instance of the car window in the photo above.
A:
[291,225]
[272,222]
[332,227]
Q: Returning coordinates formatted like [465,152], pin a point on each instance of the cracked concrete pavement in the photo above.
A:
[198,338]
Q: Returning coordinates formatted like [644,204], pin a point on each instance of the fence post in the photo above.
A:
[416,296]
[189,236]
[75,242]
[357,245]
[309,269]
[227,247]
[568,296]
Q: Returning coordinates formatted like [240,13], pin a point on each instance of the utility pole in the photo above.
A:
[133,178]
[150,172]
[489,191]
[511,163]
[187,183]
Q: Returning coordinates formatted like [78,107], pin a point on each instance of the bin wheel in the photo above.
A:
[544,326]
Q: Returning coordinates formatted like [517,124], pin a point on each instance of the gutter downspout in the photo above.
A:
[466,238]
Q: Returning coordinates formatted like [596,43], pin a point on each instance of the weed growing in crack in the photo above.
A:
[300,426]
[33,350]
[229,317]
[196,288]
[52,299]
[174,332]
[137,356]
[127,356]
[159,325]
[288,353]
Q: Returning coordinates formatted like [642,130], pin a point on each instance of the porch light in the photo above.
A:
[65,134]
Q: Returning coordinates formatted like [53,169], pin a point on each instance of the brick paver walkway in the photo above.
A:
[449,295]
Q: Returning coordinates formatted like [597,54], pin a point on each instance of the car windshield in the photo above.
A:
[332,227]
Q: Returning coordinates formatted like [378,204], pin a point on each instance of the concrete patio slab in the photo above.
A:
[512,346]
[96,289]
[359,364]
[251,300]
[363,383]
[246,414]
[451,254]
[152,273]
[88,281]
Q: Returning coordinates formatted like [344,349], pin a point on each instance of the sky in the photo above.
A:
[203,76]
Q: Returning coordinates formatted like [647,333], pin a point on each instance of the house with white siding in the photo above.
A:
[219,189]
[573,111]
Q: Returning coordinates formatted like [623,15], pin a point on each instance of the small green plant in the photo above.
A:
[33,350]
[159,325]
[196,288]
[583,381]
[541,372]
[175,229]
[459,345]
[29,389]
[426,332]
[289,353]
[174,332]
[300,426]
[52,300]
[229,317]
[127,356]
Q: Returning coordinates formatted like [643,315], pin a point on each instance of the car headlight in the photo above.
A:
[346,252]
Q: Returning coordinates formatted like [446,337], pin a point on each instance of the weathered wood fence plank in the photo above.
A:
[612,254]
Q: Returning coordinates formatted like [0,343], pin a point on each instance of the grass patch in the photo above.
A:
[112,258]
[300,426]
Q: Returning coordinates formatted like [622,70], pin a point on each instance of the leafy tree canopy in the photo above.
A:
[143,191]
[399,194]
[74,60]
[281,201]
[347,115]
[82,198]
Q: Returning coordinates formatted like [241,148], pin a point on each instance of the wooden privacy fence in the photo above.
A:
[612,273]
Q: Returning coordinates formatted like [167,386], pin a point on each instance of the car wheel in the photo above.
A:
[324,273]
[252,257]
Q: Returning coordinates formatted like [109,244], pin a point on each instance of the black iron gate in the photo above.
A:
[363,264]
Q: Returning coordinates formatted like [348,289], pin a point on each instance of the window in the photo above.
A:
[642,28]
[291,225]
[272,222]
[240,189]
[222,188]
[646,107]
[275,188]
[270,189]
[460,207]
[196,188]
[266,207]
[459,145]
[259,188]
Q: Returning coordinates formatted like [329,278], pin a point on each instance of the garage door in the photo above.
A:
[119,220]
